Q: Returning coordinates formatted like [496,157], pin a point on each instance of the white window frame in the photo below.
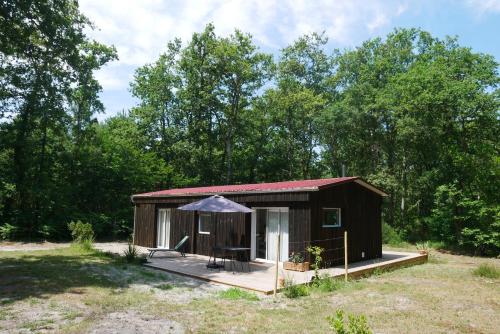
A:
[339,217]
[199,223]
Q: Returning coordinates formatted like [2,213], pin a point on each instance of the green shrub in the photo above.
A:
[165,286]
[235,293]
[131,254]
[487,270]
[316,251]
[81,232]
[87,244]
[353,325]
[423,246]
[8,231]
[294,291]
[466,220]
[327,283]
[390,236]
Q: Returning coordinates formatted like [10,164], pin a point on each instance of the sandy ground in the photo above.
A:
[30,246]
[112,247]
[49,312]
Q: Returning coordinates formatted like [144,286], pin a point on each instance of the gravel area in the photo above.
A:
[30,246]
[112,247]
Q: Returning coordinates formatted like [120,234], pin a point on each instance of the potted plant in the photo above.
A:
[296,263]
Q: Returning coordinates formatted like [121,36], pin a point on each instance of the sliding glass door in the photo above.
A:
[267,225]
[163,229]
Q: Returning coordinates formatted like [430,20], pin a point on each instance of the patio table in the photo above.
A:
[234,251]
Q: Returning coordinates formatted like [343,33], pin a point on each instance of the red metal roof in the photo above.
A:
[302,185]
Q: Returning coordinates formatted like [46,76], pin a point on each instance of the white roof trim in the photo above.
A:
[372,188]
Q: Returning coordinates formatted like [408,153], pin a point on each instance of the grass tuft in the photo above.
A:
[235,294]
[328,284]
[295,291]
[487,270]
[165,286]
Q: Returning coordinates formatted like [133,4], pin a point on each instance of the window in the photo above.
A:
[331,217]
[204,223]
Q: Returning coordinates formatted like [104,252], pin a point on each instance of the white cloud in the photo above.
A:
[485,6]
[140,30]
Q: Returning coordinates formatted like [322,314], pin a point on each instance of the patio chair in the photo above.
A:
[178,248]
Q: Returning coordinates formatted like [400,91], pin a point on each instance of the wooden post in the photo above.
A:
[277,265]
[345,255]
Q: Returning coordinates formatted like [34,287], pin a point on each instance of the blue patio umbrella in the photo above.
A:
[215,203]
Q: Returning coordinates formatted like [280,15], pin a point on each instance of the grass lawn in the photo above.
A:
[74,291]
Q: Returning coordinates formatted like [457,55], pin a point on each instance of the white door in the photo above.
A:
[163,230]
[274,221]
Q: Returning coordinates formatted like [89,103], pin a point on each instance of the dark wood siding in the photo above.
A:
[144,225]
[360,216]
[240,198]
[299,229]
[181,224]
[227,229]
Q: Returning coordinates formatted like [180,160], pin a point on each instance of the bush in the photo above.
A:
[466,220]
[131,254]
[390,236]
[316,251]
[294,291]
[8,231]
[355,324]
[423,246]
[235,293]
[327,283]
[87,244]
[487,270]
[165,286]
[81,232]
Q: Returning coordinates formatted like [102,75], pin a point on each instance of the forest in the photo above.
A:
[413,114]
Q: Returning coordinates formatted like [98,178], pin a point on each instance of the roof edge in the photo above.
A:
[371,187]
[308,189]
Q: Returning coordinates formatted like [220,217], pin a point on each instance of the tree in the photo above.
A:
[43,53]
[296,103]
[414,113]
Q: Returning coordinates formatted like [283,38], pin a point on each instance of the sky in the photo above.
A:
[141,29]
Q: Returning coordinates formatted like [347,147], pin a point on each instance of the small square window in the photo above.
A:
[331,217]
[204,223]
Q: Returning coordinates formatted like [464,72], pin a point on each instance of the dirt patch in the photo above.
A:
[9,246]
[133,322]
[117,247]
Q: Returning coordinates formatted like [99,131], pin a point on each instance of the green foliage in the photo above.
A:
[82,233]
[327,283]
[411,113]
[8,231]
[165,286]
[293,291]
[487,270]
[236,294]
[296,257]
[390,236]
[131,254]
[316,251]
[87,244]
[354,324]
[459,219]
[423,246]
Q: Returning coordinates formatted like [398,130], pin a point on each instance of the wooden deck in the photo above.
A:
[261,276]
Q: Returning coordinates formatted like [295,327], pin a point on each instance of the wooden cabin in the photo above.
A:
[303,213]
